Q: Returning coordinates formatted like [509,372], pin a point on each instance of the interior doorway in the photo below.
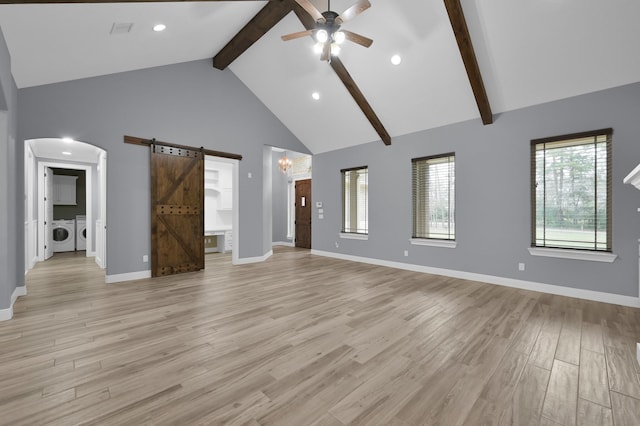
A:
[287,169]
[73,161]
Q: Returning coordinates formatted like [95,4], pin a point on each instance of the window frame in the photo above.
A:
[343,232]
[581,253]
[419,240]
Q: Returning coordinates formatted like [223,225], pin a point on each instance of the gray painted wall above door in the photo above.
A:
[189,104]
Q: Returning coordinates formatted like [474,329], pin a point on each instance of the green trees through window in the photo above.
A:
[571,191]
[433,184]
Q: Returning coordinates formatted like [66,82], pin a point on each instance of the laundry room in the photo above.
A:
[69,210]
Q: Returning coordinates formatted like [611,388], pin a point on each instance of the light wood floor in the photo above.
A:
[301,339]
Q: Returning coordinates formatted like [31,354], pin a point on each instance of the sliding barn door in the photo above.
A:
[177,210]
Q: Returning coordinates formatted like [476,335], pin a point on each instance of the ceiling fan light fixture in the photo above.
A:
[322,36]
[335,49]
[317,48]
[339,37]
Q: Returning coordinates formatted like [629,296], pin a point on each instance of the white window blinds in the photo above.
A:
[434,197]
[571,191]
[355,206]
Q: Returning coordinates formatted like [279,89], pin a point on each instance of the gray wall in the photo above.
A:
[11,185]
[493,193]
[190,103]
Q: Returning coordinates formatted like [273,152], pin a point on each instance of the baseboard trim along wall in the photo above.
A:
[7,313]
[129,276]
[597,296]
[283,243]
[245,260]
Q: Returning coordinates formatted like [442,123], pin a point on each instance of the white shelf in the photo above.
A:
[633,178]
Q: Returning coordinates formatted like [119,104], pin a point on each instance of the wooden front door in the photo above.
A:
[303,213]
[177,210]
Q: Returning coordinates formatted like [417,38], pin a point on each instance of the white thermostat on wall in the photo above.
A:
[318,204]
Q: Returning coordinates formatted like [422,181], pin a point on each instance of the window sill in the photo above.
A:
[573,254]
[433,242]
[353,236]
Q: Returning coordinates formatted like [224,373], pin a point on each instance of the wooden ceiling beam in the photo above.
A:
[342,73]
[357,95]
[461,31]
[258,26]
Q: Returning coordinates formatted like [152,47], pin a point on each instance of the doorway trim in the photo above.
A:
[41,207]
[235,205]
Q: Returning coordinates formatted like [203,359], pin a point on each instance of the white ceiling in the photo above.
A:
[52,149]
[529,52]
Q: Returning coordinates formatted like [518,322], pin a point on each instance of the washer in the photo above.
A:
[81,232]
[63,235]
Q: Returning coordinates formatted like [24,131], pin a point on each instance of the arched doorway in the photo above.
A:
[77,216]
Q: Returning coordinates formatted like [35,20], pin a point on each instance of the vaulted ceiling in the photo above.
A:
[527,53]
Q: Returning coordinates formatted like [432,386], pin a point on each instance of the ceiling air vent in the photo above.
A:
[121,28]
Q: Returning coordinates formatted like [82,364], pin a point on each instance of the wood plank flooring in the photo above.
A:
[308,340]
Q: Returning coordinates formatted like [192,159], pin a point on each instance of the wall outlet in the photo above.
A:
[249,175]
[145,258]
[521,266]
[320,216]
[406,253]
[337,244]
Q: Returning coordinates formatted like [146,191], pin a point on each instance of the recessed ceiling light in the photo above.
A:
[159,27]
[396,59]
[67,140]
[315,95]
[66,153]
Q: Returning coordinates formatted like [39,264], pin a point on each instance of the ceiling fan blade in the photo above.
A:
[294,36]
[354,10]
[357,38]
[311,10]
[326,52]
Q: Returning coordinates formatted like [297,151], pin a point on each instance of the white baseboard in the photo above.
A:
[559,290]
[7,314]
[283,243]
[638,352]
[245,260]
[91,253]
[129,276]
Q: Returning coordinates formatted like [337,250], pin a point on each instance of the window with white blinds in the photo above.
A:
[355,206]
[571,191]
[434,191]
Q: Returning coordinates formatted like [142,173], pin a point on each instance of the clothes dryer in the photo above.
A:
[63,236]
[81,232]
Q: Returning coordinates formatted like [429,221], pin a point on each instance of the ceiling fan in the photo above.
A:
[328,33]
